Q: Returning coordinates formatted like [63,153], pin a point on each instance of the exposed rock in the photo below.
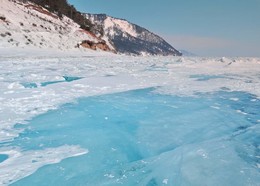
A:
[2,18]
[95,45]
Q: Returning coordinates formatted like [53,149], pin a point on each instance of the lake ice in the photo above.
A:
[129,121]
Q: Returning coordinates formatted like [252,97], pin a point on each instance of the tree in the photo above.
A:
[62,7]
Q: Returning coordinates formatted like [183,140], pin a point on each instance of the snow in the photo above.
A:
[118,31]
[18,161]
[165,181]
[33,28]
[107,73]
[123,25]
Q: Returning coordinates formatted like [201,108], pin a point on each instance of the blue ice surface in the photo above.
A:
[29,85]
[71,78]
[3,157]
[66,79]
[144,138]
[204,77]
[43,84]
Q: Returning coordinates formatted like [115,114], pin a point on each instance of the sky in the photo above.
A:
[203,27]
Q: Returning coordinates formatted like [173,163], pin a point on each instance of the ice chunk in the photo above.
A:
[23,163]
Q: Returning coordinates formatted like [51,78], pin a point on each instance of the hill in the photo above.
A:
[58,25]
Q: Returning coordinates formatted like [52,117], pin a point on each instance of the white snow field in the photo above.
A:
[92,118]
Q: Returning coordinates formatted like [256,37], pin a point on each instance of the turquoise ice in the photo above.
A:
[141,137]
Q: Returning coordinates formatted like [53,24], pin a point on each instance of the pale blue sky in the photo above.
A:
[204,27]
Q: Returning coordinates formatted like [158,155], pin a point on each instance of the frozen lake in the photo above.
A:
[129,121]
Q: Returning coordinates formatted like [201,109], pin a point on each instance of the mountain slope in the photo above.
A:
[129,38]
[25,24]
[29,25]
[187,53]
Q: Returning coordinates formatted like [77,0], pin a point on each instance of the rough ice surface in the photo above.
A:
[95,120]
[143,138]
[21,163]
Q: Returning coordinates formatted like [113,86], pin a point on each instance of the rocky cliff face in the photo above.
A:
[128,38]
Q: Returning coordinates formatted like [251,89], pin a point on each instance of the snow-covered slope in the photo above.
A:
[27,25]
[129,38]
[187,53]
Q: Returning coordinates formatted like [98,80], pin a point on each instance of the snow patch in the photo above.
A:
[24,163]
[124,25]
